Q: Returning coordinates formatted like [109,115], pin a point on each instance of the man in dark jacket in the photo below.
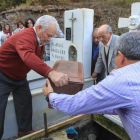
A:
[95,52]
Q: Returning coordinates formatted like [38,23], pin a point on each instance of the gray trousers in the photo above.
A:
[22,101]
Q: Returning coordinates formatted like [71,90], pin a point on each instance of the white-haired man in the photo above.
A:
[18,55]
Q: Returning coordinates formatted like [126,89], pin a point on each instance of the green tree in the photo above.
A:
[10,3]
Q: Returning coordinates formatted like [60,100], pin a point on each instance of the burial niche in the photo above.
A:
[72,53]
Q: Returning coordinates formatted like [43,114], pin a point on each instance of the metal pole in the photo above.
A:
[45,125]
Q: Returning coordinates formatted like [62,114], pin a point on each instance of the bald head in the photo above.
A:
[105,33]
[105,28]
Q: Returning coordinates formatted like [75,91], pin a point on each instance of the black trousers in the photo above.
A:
[22,101]
[100,76]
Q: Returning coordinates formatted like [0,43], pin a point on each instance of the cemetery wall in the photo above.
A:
[104,14]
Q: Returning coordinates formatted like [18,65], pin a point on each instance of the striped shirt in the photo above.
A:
[118,93]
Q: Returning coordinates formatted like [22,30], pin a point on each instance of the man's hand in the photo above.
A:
[94,74]
[58,78]
[47,88]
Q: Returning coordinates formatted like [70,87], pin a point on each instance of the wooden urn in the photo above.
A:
[74,70]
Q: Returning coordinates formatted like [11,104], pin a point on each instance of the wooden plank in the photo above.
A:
[54,127]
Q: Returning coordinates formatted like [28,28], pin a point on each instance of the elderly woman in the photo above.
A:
[20,26]
[29,23]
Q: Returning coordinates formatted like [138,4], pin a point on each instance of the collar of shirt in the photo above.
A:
[107,45]
[38,39]
[21,28]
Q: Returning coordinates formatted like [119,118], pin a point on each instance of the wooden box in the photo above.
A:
[74,70]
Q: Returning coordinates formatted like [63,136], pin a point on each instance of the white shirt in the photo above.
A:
[107,46]
[38,39]
[20,29]
[1,33]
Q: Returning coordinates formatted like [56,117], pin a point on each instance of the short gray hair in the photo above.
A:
[96,29]
[46,21]
[129,45]
[109,29]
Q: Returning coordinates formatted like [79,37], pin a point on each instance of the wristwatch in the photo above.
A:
[47,96]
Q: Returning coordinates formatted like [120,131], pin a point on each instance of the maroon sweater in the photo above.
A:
[20,53]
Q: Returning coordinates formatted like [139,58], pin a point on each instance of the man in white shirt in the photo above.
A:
[106,56]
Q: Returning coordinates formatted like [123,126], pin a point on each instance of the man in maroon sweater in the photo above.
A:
[18,55]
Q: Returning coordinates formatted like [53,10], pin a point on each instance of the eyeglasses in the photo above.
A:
[30,23]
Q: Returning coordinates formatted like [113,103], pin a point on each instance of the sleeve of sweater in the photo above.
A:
[26,47]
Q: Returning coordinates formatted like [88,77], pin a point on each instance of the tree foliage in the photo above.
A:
[6,4]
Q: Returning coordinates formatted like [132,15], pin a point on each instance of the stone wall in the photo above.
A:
[104,14]
[14,15]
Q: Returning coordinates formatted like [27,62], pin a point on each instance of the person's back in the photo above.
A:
[12,65]
[129,78]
